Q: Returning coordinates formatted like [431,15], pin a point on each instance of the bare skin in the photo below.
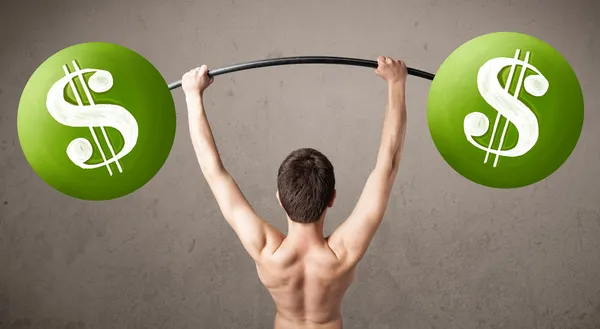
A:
[306,273]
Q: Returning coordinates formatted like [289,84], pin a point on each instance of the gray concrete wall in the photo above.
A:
[450,253]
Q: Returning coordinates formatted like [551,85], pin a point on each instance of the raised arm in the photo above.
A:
[352,238]
[255,234]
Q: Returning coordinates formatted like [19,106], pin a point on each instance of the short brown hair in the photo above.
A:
[306,184]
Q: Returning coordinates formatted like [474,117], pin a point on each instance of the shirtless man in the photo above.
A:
[306,273]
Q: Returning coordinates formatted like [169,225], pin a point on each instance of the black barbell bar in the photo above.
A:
[303,60]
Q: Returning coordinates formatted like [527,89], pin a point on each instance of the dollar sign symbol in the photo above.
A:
[80,150]
[509,106]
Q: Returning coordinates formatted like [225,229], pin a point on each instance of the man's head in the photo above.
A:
[306,185]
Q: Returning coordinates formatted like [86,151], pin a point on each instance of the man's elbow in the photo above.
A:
[392,162]
[388,166]
[212,168]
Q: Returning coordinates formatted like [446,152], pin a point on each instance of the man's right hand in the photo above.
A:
[391,70]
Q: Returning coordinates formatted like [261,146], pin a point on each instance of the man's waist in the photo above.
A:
[287,321]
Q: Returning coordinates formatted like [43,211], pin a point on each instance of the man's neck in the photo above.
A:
[306,233]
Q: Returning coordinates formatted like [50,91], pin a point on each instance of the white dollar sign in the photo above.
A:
[477,124]
[80,150]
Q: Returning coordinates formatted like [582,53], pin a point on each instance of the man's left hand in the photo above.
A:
[196,81]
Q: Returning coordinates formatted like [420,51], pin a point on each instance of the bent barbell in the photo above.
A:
[303,60]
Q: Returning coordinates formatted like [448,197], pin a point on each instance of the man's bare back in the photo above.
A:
[307,283]
[306,274]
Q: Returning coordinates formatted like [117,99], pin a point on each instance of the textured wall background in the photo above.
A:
[450,254]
